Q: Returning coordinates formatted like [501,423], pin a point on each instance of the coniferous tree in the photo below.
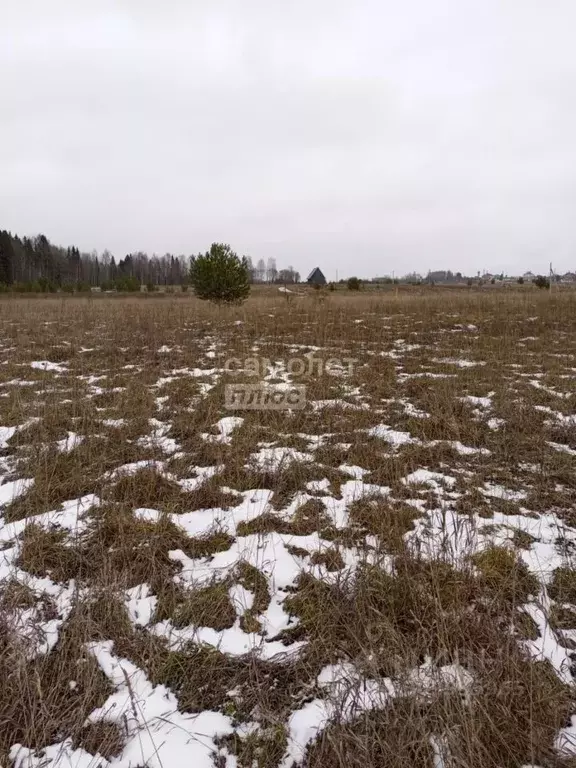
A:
[6,258]
[220,275]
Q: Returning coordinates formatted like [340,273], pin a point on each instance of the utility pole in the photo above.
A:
[551,277]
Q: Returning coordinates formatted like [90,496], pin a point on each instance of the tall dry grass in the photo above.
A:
[398,611]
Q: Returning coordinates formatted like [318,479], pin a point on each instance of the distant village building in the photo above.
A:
[569,277]
[316,277]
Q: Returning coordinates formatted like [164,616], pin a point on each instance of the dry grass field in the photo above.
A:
[385,578]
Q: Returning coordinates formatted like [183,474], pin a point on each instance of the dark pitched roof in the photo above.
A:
[316,271]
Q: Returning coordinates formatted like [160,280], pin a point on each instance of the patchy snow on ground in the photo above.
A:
[46,365]
[225,427]
[385,464]
[273,459]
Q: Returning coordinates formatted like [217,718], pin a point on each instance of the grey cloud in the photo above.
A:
[370,136]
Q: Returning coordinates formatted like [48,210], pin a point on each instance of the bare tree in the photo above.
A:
[271,270]
[261,271]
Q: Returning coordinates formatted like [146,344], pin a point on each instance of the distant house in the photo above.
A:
[316,277]
[569,277]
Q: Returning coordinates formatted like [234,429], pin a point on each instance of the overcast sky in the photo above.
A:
[364,136]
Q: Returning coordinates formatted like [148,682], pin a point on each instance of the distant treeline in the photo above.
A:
[34,264]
